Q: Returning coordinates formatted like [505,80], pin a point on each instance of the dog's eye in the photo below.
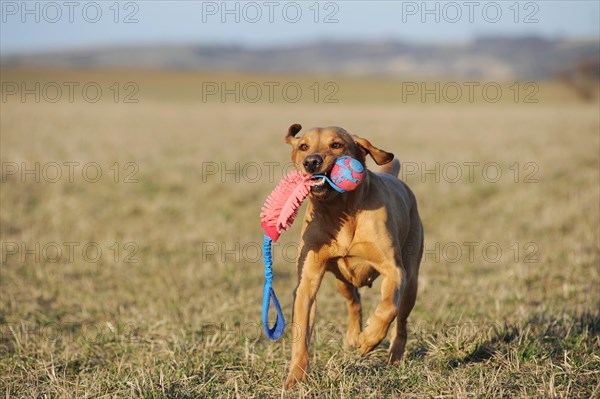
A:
[335,146]
[303,147]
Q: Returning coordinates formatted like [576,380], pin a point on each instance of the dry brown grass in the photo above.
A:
[184,322]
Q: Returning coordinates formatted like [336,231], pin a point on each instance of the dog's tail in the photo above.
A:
[391,168]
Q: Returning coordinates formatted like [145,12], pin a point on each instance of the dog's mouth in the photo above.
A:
[319,185]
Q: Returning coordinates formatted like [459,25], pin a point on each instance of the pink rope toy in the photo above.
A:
[279,212]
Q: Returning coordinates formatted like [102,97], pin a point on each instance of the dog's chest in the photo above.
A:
[354,245]
[355,258]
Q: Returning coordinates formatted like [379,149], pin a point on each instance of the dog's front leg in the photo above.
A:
[310,274]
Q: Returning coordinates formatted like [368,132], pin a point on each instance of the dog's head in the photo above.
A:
[316,151]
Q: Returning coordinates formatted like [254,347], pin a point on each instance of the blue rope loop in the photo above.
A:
[269,295]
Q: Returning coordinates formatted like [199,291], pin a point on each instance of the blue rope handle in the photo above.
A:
[269,295]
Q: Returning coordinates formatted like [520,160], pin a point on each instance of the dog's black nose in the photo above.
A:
[312,163]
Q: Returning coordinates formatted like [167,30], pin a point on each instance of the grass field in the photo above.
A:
[145,281]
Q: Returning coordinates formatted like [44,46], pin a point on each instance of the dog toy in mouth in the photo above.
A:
[346,174]
[280,210]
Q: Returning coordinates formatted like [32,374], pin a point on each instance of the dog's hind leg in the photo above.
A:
[406,305]
[352,296]
[411,258]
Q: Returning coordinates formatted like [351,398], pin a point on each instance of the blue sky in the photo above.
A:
[51,25]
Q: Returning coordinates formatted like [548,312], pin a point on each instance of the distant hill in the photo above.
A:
[501,58]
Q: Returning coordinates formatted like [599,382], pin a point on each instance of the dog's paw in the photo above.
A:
[297,374]
[395,358]
[352,340]
[290,382]
[366,345]
[396,352]
[372,335]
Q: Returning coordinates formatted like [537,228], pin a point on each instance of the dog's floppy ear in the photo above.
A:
[379,156]
[293,130]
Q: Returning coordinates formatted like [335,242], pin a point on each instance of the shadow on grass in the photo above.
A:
[541,336]
[418,352]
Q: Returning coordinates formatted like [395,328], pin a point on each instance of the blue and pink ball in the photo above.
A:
[347,173]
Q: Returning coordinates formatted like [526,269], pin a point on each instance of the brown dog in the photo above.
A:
[357,236]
